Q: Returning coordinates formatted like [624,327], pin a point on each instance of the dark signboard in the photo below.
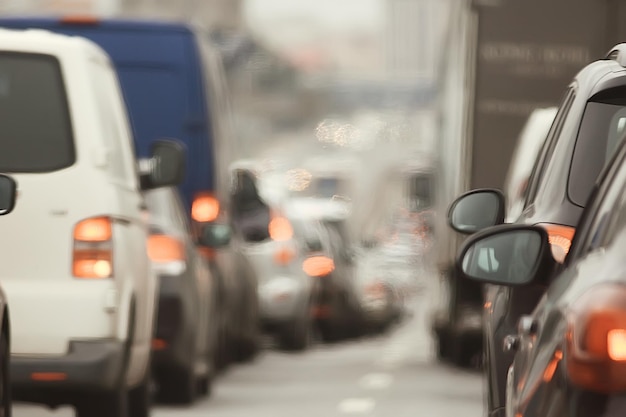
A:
[528,52]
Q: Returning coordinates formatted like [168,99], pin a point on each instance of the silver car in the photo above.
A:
[284,288]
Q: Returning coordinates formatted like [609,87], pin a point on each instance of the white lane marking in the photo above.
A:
[376,381]
[356,405]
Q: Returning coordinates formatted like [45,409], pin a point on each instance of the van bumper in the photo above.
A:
[88,366]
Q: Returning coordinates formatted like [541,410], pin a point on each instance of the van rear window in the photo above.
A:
[35,127]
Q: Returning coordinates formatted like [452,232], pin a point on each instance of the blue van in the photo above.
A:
[174,86]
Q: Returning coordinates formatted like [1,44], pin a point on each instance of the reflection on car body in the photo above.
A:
[570,351]
[587,128]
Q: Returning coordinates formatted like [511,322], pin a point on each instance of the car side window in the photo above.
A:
[610,214]
[549,145]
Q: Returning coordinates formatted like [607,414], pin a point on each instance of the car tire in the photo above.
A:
[443,346]
[296,335]
[247,350]
[5,388]
[107,404]
[204,386]
[223,348]
[140,398]
[178,386]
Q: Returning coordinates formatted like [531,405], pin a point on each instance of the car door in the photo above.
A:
[540,334]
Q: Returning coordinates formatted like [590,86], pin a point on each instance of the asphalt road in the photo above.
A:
[394,374]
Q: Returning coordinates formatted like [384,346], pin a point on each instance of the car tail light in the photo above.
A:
[80,20]
[167,253]
[375,289]
[284,256]
[93,248]
[318,266]
[205,208]
[596,340]
[560,238]
[280,229]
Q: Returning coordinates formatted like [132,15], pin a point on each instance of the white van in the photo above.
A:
[78,277]
[528,145]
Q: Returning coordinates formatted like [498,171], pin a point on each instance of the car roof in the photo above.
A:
[44,41]
[127,24]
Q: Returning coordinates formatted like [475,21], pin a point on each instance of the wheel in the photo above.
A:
[329,331]
[108,404]
[204,386]
[140,400]
[246,350]
[178,386]
[5,378]
[296,335]
[443,346]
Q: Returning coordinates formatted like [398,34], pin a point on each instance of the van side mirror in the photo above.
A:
[8,193]
[215,235]
[166,166]
[476,210]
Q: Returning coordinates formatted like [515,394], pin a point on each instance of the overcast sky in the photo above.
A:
[296,20]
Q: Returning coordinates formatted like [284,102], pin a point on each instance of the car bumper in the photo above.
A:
[174,325]
[282,299]
[88,366]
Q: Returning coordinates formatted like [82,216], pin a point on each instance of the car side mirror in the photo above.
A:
[8,194]
[476,210]
[166,166]
[509,255]
[215,235]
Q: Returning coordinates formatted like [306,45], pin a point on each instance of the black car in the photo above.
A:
[185,339]
[587,129]
[571,351]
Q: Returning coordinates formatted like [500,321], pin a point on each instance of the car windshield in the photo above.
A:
[36,132]
[601,130]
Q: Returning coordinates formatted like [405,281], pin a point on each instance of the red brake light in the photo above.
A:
[205,208]
[284,255]
[93,248]
[280,229]
[318,266]
[596,340]
[80,20]
[560,238]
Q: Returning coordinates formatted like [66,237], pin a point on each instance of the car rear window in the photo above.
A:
[601,131]
[35,126]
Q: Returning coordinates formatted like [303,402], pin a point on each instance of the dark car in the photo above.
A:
[185,337]
[585,133]
[337,310]
[570,355]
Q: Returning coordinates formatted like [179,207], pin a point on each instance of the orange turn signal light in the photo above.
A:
[560,238]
